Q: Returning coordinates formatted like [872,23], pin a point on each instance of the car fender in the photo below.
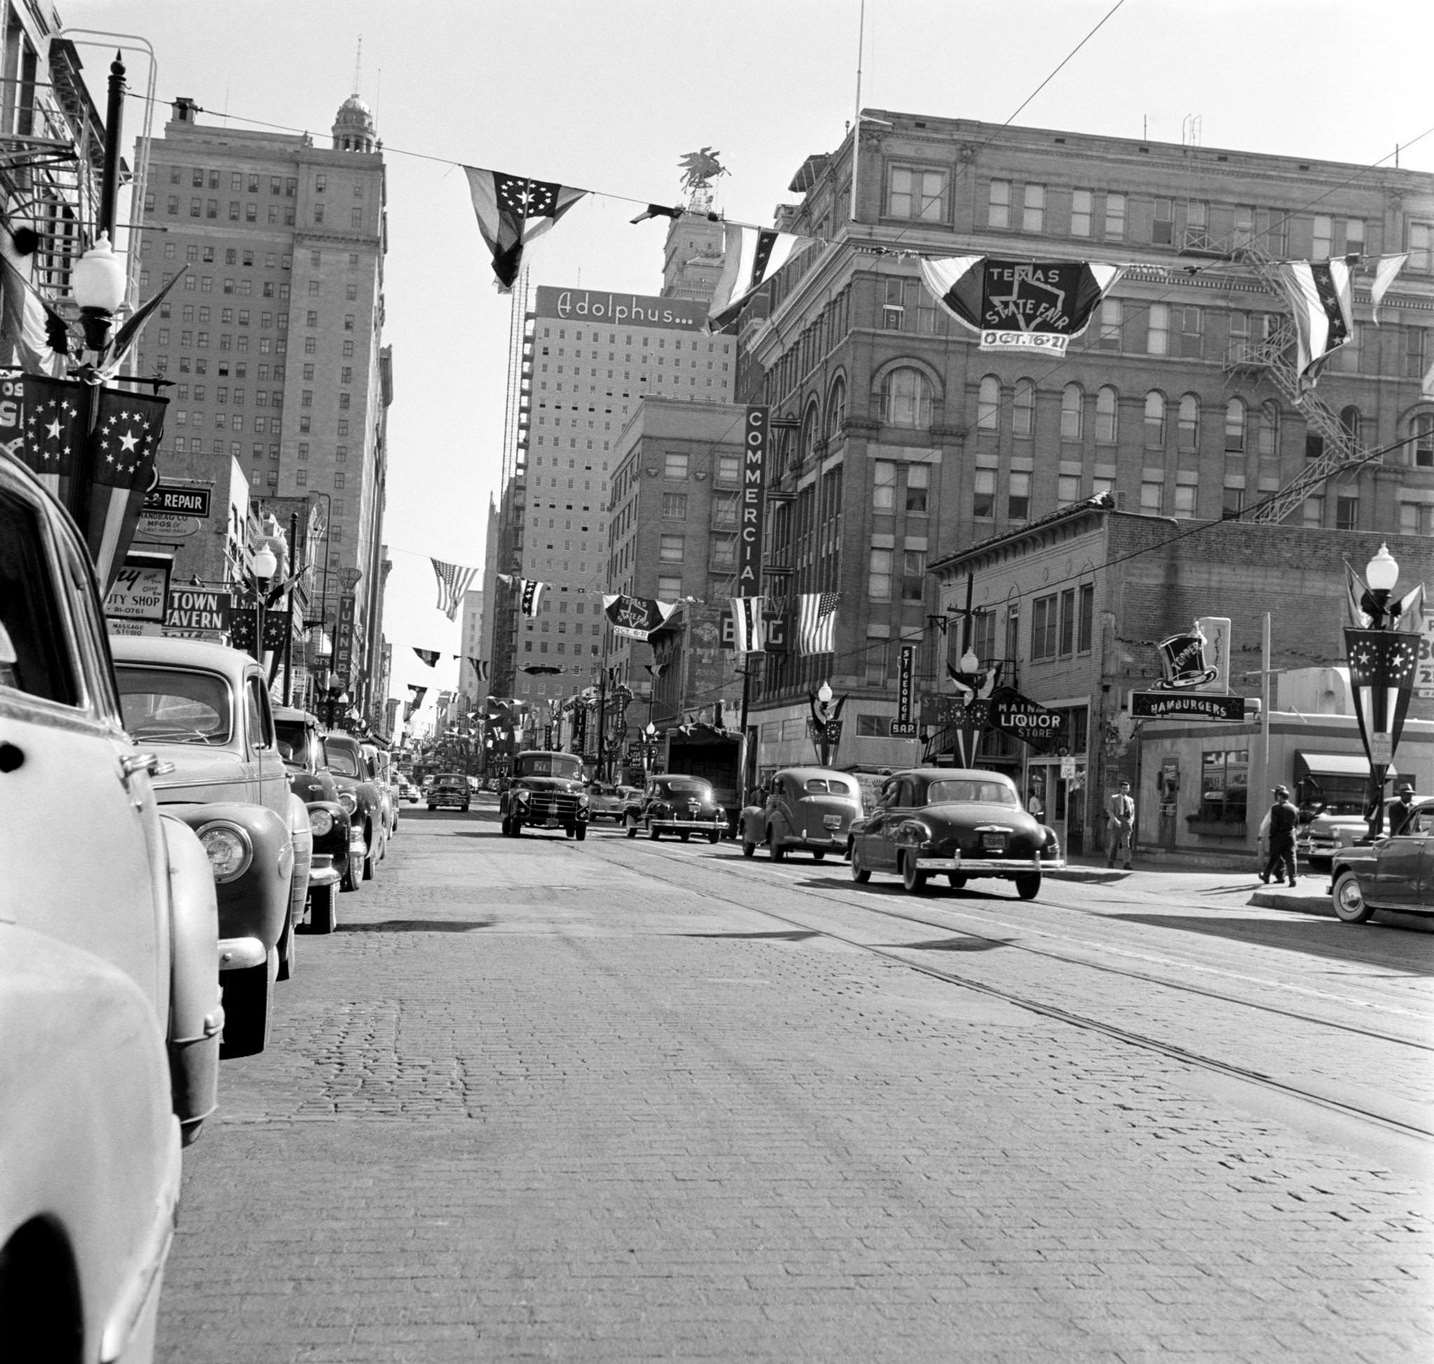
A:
[92,1150]
[196,1016]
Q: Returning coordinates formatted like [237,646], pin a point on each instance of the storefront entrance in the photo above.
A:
[1059,785]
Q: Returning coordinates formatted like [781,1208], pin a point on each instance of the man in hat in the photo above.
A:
[1283,819]
[1119,826]
[1401,811]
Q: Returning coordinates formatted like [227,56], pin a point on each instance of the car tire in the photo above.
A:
[349,880]
[957,880]
[288,961]
[774,846]
[632,828]
[859,874]
[749,848]
[324,916]
[714,838]
[818,854]
[652,833]
[370,861]
[684,834]
[464,808]
[580,833]
[432,808]
[1348,900]
[248,1011]
[913,879]
[1028,885]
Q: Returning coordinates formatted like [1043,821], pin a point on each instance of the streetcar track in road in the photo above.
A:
[1144,1041]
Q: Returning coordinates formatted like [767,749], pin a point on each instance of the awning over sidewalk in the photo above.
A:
[1336,764]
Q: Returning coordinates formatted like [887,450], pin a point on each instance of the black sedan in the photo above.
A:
[966,824]
[672,804]
[1391,873]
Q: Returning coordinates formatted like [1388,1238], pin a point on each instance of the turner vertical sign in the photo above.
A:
[752,504]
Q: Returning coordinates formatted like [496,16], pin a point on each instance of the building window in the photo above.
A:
[674,506]
[1085,618]
[1154,420]
[1157,329]
[671,549]
[1422,450]
[1162,226]
[1072,411]
[983,504]
[1018,501]
[1184,495]
[1152,494]
[988,404]
[1112,321]
[1346,513]
[1115,217]
[1224,785]
[998,204]
[674,466]
[883,490]
[1023,408]
[1033,214]
[724,551]
[1235,427]
[916,192]
[1080,212]
[1107,428]
[1188,423]
[906,398]
[1043,628]
[878,575]
[918,478]
[836,409]
[913,574]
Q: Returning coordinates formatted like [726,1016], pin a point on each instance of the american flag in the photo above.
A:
[816,622]
[453,580]
[126,435]
[748,629]
[512,210]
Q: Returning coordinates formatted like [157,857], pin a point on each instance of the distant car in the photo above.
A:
[1327,833]
[545,790]
[376,769]
[806,809]
[672,803]
[411,794]
[967,824]
[204,710]
[449,790]
[360,795]
[1391,873]
[606,801]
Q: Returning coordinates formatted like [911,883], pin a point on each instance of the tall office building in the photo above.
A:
[583,361]
[273,338]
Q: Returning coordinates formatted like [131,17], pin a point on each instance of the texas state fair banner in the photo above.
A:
[1020,305]
[636,617]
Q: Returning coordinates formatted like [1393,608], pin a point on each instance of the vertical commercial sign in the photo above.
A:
[903,684]
[752,504]
[344,643]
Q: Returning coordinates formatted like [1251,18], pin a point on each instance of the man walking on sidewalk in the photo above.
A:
[1283,818]
[1120,826]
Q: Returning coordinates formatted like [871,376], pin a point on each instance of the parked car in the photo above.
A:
[809,809]
[139,900]
[110,1011]
[545,790]
[1394,873]
[968,824]
[449,790]
[376,769]
[359,795]
[607,801]
[675,804]
[204,709]
[338,842]
[1333,829]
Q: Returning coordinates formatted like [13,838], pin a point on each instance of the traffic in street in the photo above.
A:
[616,1099]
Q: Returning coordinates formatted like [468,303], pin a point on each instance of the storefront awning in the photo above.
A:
[1336,764]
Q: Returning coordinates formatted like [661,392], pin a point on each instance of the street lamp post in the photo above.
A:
[1382,655]
[649,748]
[826,722]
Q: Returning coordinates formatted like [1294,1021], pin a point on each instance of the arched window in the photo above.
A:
[1235,427]
[836,408]
[1268,436]
[1349,419]
[811,434]
[1106,428]
[1188,425]
[906,398]
[1072,411]
[1154,420]
[1421,449]
[1023,408]
[988,404]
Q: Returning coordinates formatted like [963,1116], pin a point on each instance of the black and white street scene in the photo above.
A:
[716,682]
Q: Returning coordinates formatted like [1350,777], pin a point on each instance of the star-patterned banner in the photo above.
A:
[1381,678]
[54,432]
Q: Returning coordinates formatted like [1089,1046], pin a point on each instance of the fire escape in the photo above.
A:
[1274,357]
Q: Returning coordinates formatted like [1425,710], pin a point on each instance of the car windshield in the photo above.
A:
[818,786]
[962,790]
[342,760]
[174,706]
[548,765]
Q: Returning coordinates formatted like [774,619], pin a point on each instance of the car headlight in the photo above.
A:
[522,796]
[321,822]
[582,802]
[348,800]
[230,851]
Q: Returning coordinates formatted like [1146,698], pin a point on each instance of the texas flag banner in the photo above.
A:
[1320,298]
[126,435]
[636,617]
[512,211]
[748,629]
[751,256]
[1020,305]
[530,594]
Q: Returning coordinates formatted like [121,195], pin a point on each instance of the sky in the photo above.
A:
[609,95]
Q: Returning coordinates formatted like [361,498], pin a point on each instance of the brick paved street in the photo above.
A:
[529,1103]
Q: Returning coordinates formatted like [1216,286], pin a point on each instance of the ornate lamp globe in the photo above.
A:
[1381,572]
[262,563]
